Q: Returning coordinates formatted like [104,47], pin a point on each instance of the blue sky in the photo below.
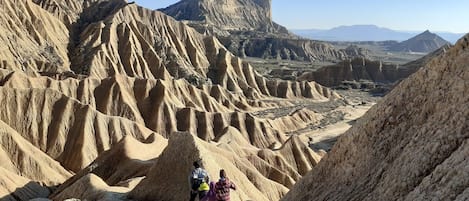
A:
[408,15]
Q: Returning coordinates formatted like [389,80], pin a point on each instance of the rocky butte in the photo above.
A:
[246,28]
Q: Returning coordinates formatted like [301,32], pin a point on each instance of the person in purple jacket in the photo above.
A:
[211,194]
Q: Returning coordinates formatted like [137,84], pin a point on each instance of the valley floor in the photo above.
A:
[335,117]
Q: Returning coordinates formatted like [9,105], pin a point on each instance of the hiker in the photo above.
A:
[198,180]
[223,186]
[211,194]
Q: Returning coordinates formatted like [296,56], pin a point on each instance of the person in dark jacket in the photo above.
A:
[197,177]
[223,186]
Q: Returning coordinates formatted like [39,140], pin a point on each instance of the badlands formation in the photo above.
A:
[106,100]
[100,100]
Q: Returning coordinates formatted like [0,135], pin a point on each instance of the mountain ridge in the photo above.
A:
[366,33]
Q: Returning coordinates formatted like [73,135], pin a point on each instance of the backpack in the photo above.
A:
[196,184]
[197,178]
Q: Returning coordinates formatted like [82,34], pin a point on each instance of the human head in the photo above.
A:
[196,164]
[222,173]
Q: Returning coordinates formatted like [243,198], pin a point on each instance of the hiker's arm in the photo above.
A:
[232,186]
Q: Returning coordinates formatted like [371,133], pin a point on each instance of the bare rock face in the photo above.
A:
[226,14]
[246,28]
[411,146]
[424,42]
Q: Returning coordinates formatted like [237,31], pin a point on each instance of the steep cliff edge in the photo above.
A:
[227,15]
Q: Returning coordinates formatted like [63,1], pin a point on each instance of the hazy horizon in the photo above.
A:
[433,15]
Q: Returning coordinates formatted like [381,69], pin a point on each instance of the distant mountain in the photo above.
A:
[355,33]
[366,33]
[424,42]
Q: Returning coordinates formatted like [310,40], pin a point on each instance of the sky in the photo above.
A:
[405,15]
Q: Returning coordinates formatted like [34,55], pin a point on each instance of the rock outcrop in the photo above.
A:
[227,15]
[355,70]
[413,145]
[361,69]
[246,28]
[424,42]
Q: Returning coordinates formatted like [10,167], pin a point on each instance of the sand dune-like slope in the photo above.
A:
[411,146]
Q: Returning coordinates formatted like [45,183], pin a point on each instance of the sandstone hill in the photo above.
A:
[413,145]
[424,42]
[365,70]
[91,91]
[246,28]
